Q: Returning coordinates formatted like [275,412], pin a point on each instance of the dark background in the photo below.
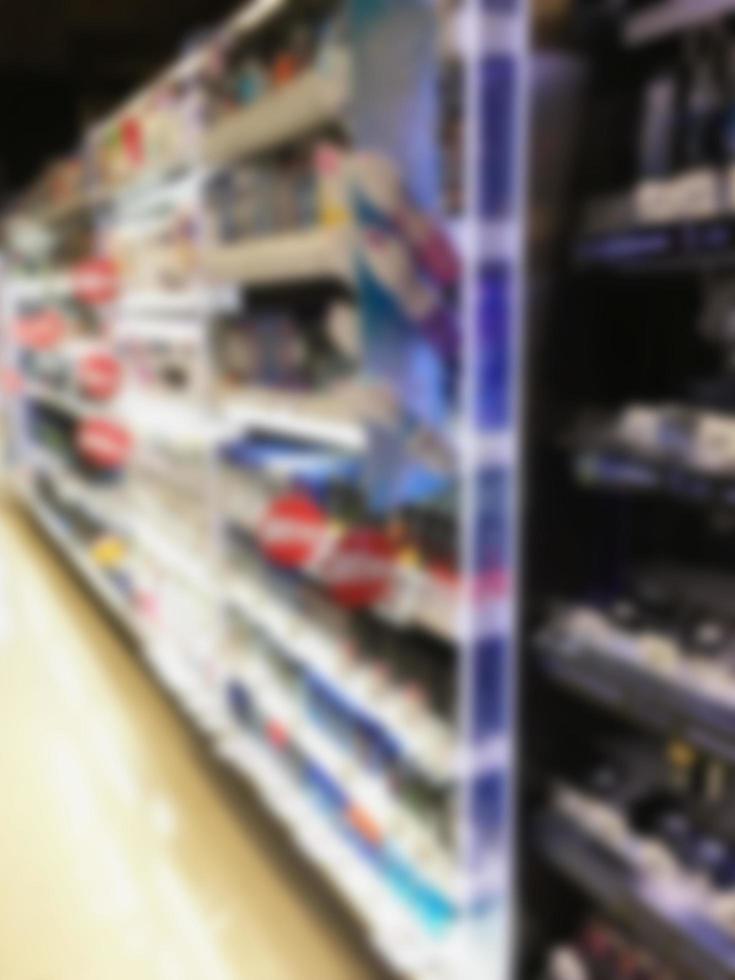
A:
[64,63]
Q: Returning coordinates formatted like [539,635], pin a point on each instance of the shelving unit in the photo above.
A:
[360,676]
[628,684]
[694,945]
[672,701]
[671,17]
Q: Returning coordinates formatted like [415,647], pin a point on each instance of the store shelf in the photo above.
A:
[108,504]
[669,17]
[356,879]
[192,567]
[300,256]
[391,925]
[43,287]
[420,600]
[156,330]
[352,874]
[177,420]
[191,304]
[68,403]
[626,471]
[310,101]
[147,204]
[431,912]
[417,599]
[305,417]
[370,795]
[664,918]
[321,655]
[396,935]
[155,179]
[675,702]
[675,247]
[112,599]
[202,706]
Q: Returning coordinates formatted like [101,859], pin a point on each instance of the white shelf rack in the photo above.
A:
[295,416]
[71,404]
[111,597]
[189,304]
[321,654]
[465,756]
[301,107]
[108,504]
[299,256]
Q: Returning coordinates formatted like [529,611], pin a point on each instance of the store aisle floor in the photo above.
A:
[122,857]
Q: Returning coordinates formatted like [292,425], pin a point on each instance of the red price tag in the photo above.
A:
[104,444]
[41,332]
[293,531]
[100,376]
[95,281]
[359,573]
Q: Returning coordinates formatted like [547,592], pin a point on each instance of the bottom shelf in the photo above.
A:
[666,920]
[401,939]
[113,600]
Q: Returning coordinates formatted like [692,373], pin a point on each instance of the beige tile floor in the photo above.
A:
[122,857]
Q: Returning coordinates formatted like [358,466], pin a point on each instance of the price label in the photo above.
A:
[41,332]
[95,281]
[293,531]
[104,444]
[100,376]
[361,570]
